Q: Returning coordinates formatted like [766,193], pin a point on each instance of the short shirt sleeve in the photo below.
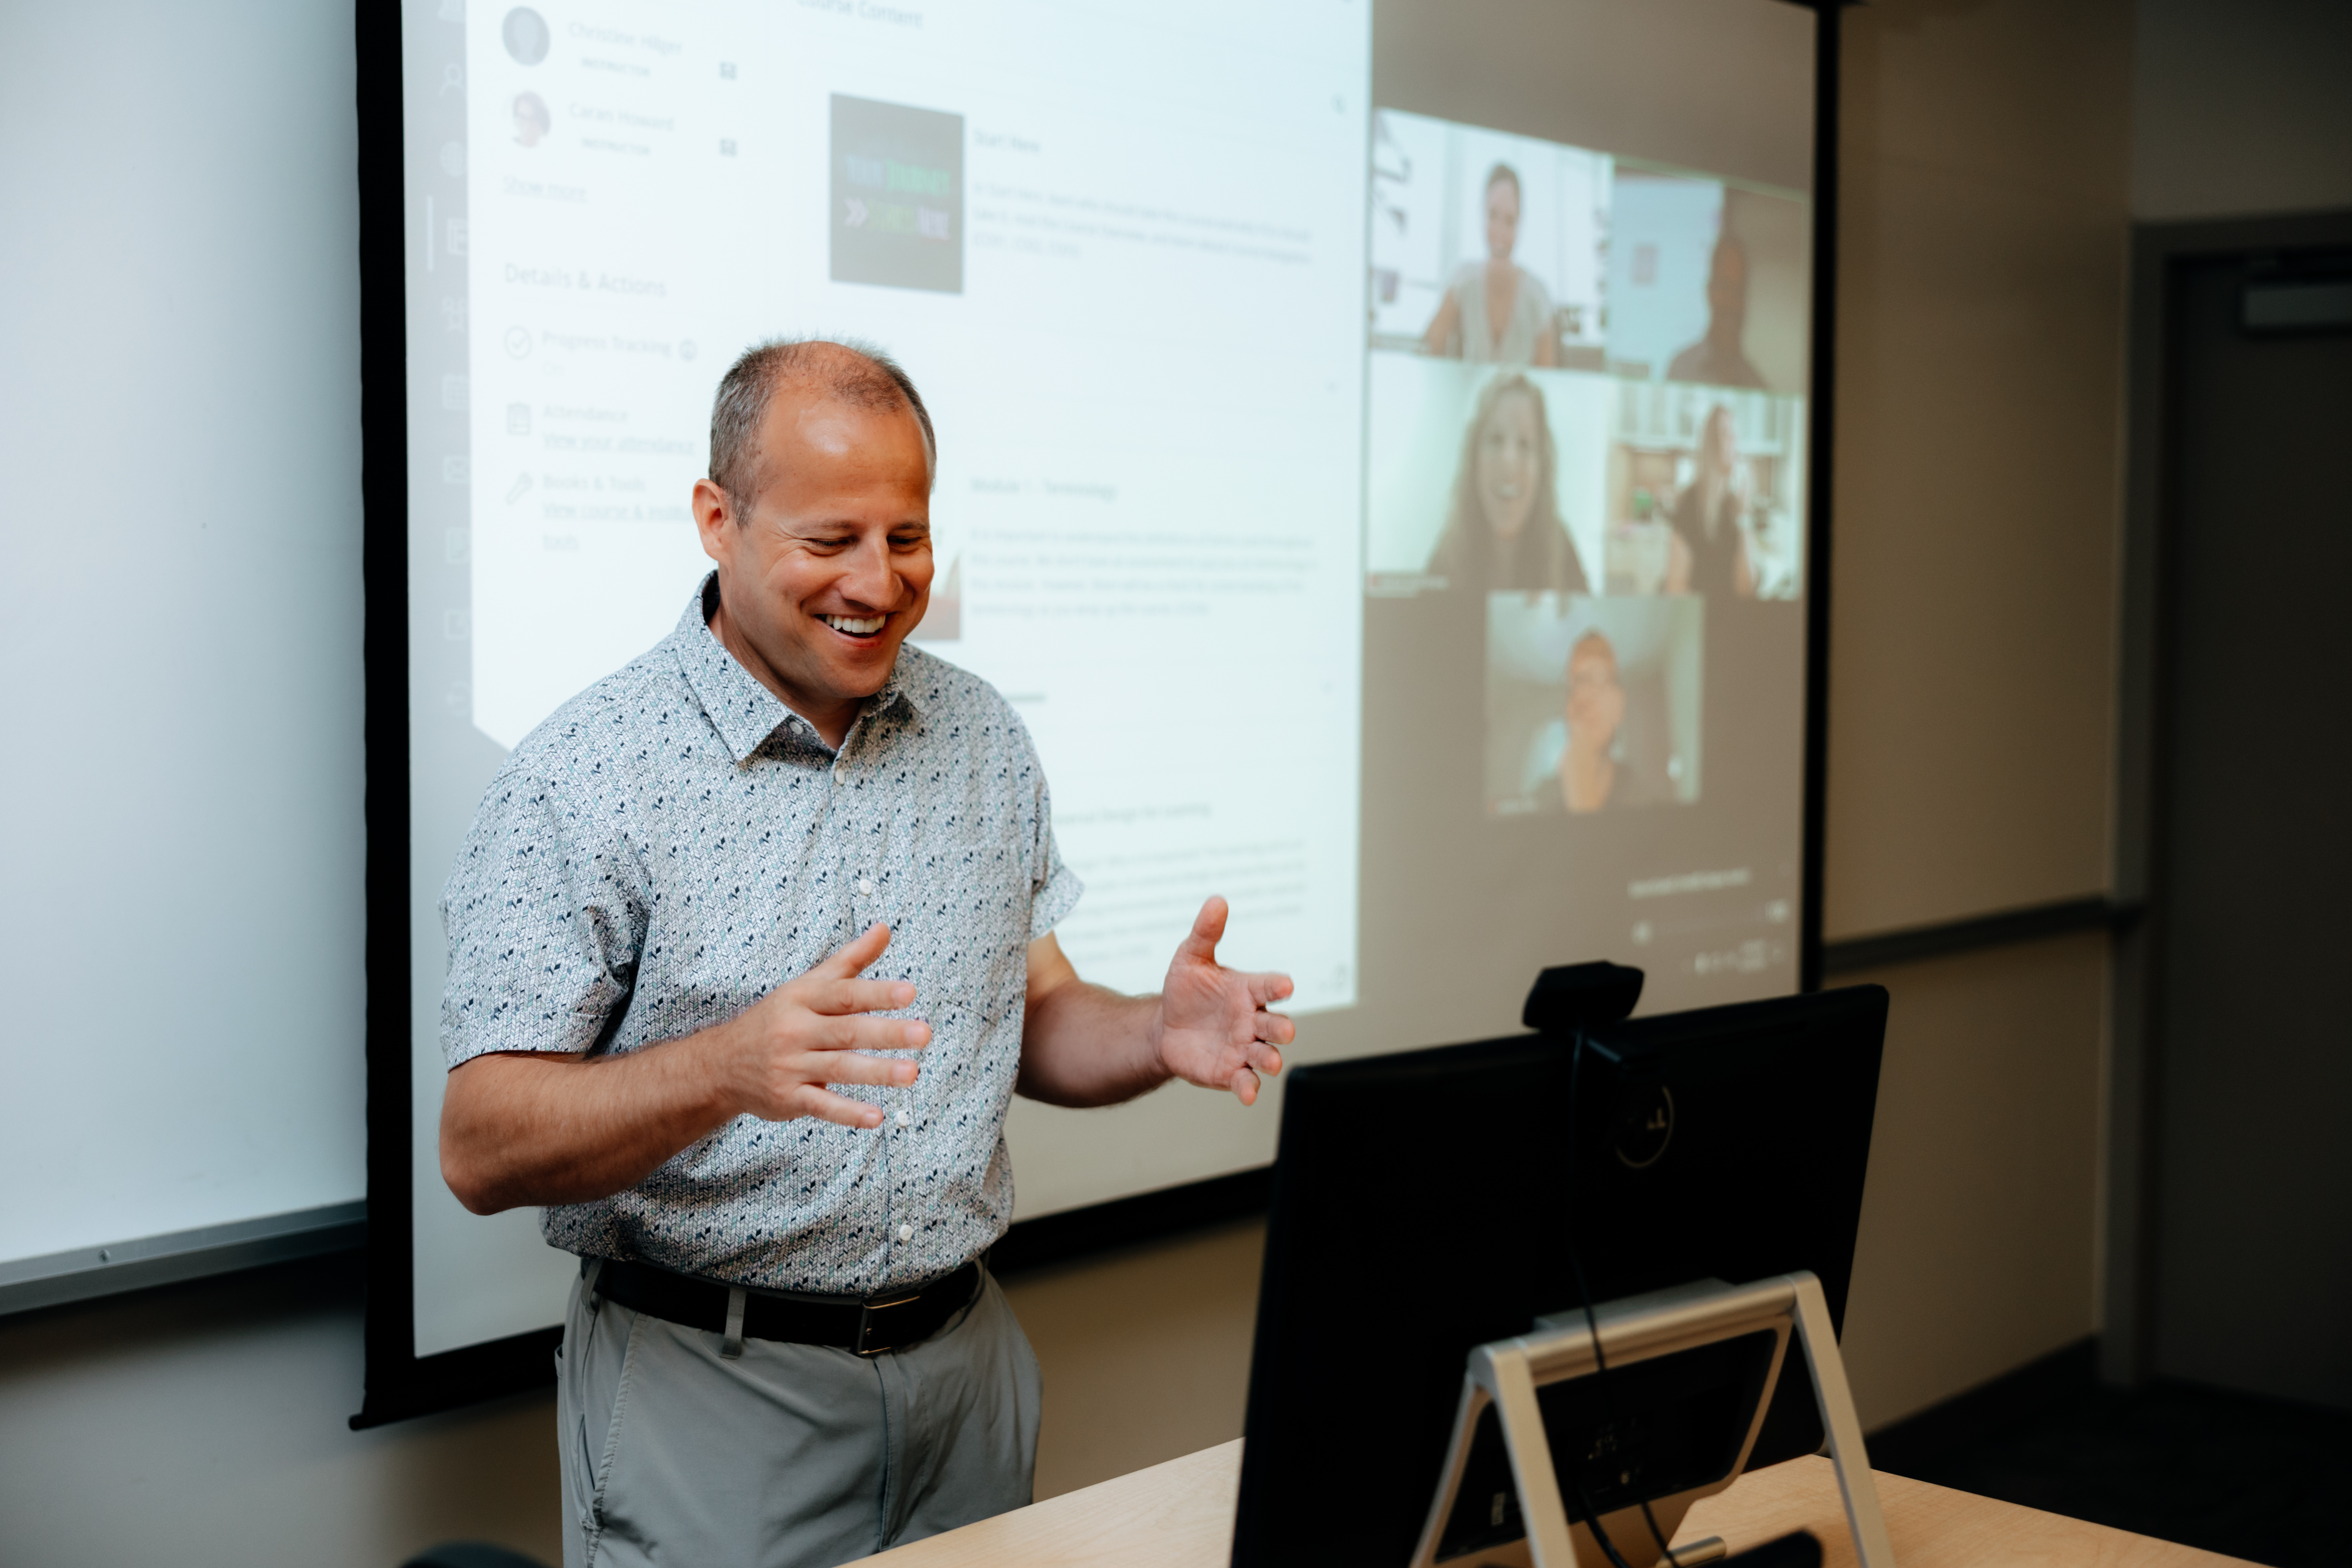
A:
[544,925]
[1054,888]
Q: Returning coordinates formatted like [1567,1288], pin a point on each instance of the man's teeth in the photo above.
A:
[855,626]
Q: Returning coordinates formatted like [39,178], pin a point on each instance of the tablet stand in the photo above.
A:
[1506,1376]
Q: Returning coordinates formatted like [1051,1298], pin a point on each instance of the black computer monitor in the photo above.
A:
[1422,1205]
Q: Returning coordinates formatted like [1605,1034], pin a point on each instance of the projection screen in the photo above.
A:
[1373,461]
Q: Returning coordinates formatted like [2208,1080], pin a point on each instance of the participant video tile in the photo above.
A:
[1593,704]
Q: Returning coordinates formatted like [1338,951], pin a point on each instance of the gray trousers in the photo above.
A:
[789,1456]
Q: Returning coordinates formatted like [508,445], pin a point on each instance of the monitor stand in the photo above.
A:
[1504,1376]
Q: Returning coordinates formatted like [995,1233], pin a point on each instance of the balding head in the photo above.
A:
[856,373]
[818,516]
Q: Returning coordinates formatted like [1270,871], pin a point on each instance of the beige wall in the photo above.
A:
[1145,1355]
[1980,365]
[204,1424]
[1981,297]
[1979,1244]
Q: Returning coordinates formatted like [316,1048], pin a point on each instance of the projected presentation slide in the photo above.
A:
[1391,522]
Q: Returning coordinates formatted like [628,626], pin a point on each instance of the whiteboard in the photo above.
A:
[180,616]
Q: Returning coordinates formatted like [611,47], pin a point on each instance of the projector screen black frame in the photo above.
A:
[399,1383]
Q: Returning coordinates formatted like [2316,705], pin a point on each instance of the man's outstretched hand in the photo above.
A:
[1212,1027]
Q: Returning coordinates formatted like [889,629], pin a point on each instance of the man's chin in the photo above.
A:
[859,670]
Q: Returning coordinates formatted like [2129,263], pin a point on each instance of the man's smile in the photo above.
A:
[858,627]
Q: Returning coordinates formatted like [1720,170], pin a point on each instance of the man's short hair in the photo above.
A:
[846,370]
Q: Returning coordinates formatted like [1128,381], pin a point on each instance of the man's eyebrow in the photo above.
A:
[838,525]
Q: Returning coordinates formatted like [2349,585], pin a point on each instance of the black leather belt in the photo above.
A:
[869,1326]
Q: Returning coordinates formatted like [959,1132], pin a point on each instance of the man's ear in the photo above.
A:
[714,514]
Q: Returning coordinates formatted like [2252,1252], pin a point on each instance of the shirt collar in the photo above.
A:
[746,712]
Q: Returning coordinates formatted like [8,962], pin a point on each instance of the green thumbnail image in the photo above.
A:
[898,196]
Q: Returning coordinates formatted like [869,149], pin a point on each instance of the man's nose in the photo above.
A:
[872,581]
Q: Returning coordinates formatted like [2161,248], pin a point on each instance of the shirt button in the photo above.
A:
[906,1232]
[865,884]
[904,1119]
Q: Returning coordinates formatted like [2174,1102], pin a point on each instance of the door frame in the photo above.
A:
[2147,613]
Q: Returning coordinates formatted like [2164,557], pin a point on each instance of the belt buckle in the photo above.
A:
[866,1310]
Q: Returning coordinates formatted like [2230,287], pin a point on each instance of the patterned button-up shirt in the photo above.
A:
[673,844]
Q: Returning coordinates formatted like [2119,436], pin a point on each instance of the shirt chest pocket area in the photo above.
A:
[958,903]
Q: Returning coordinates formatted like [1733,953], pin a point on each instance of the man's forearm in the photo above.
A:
[567,1130]
[533,1130]
[1085,1044]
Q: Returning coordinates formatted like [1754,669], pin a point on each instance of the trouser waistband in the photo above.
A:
[867,1326]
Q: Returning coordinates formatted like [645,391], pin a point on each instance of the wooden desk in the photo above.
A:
[1180,1515]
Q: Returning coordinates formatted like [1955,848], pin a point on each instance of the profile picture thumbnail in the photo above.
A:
[532,120]
[526,36]
[1593,704]
[896,195]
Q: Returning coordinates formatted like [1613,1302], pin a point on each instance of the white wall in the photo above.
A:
[180,938]
[2241,106]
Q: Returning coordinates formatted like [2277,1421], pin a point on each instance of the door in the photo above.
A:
[2253,1263]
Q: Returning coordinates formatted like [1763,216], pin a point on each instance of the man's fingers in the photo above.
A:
[857,1032]
[854,954]
[854,1066]
[1266,989]
[1208,929]
[1263,1056]
[1244,1085]
[1273,1027]
[834,998]
[826,1106]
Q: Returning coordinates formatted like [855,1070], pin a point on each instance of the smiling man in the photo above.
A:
[749,946]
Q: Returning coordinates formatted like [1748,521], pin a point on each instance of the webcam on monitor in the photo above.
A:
[1570,997]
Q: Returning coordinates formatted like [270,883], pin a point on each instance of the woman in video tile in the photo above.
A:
[1711,553]
[1494,310]
[1503,532]
[1593,773]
